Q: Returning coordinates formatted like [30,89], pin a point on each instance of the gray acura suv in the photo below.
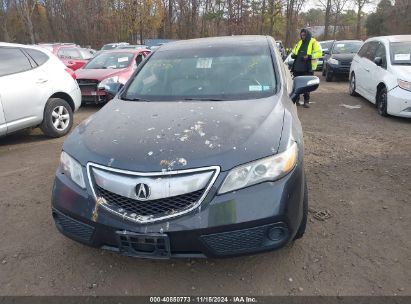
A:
[200,154]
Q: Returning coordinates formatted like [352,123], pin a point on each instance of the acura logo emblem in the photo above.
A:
[142,191]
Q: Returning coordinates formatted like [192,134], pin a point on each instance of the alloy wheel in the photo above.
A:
[60,118]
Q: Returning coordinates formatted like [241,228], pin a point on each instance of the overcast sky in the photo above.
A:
[316,4]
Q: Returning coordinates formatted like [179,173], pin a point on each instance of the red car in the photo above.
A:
[107,67]
[73,56]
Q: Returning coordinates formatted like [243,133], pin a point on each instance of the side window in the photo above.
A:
[371,50]
[139,59]
[363,50]
[13,61]
[38,56]
[382,53]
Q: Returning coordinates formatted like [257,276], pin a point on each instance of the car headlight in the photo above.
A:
[267,169]
[404,84]
[105,82]
[333,61]
[72,168]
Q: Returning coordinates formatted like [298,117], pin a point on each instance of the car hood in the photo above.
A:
[402,72]
[152,136]
[98,74]
[343,57]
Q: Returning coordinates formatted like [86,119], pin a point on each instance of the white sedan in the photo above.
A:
[381,73]
[36,90]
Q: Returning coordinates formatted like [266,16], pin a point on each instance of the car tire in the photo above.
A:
[58,118]
[328,76]
[323,72]
[303,225]
[382,101]
[352,85]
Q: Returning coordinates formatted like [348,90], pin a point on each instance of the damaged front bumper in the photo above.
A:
[259,218]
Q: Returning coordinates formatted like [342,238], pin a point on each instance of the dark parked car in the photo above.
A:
[325,46]
[338,60]
[199,154]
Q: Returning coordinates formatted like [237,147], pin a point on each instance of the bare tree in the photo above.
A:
[26,9]
[4,7]
[360,6]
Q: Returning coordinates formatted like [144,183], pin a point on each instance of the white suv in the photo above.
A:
[381,72]
[36,89]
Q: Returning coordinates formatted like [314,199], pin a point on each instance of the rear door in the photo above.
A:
[24,89]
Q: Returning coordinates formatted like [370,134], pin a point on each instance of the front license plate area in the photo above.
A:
[144,245]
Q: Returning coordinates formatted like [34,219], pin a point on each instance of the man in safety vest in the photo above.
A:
[305,55]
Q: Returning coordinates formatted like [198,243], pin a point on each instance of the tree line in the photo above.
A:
[96,22]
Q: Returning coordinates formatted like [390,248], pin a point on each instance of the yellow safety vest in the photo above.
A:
[314,49]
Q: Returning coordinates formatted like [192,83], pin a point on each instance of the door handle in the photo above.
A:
[41,80]
[367,69]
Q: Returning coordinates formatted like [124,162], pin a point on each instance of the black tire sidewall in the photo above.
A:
[353,91]
[47,125]
[382,112]
[328,76]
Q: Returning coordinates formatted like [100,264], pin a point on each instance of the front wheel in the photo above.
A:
[328,76]
[353,85]
[382,101]
[58,118]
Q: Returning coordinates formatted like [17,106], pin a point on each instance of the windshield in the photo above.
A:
[212,73]
[108,47]
[326,45]
[110,61]
[347,47]
[86,54]
[400,53]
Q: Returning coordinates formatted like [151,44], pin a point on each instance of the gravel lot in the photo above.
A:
[358,240]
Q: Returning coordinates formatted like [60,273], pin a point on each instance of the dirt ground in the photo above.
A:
[358,240]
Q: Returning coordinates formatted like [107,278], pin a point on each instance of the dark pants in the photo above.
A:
[306,95]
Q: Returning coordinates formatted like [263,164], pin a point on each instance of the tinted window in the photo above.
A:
[371,50]
[382,54]
[205,73]
[110,61]
[12,60]
[400,53]
[38,57]
[363,50]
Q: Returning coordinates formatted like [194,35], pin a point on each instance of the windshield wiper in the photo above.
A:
[135,99]
[205,99]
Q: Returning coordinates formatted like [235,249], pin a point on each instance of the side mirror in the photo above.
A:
[304,84]
[378,61]
[326,52]
[113,88]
